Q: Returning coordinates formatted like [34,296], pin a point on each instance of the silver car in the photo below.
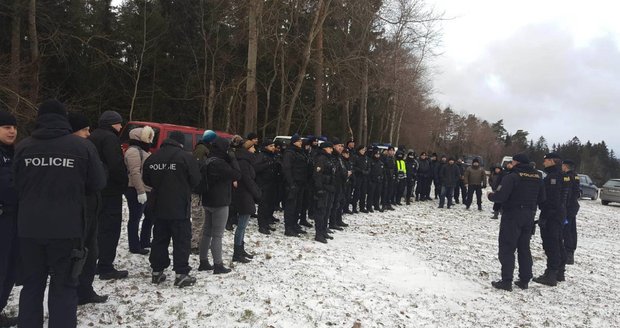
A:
[610,192]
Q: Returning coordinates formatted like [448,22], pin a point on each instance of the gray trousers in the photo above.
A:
[212,232]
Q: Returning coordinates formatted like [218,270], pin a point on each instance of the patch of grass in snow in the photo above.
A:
[247,315]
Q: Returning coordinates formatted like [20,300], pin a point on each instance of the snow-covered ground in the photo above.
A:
[418,266]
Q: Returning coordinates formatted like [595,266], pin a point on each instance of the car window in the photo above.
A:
[612,184]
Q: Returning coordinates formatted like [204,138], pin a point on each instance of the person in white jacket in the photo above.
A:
[140,140]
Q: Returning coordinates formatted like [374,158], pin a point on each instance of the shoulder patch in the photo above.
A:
[553,181]
[318,169]
[566,179]
[576,177]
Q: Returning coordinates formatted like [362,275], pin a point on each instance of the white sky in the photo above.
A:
[549,67]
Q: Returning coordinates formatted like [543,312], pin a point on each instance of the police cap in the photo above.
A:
[552,155]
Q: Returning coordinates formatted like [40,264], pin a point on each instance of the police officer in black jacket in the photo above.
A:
[335,218]
[267,170]
[360,171]
[53,172]
[172,173]
[324,177]
[376,179]
[412,168]
[552,215]
[105,138]
[424,176]
[519,193]
[572,207]
[389,186]
[8,214]
[295,171]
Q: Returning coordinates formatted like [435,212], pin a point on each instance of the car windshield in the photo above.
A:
[612,184]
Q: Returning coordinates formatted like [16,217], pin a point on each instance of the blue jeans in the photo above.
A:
[446,192]
[142,240]
[240,231]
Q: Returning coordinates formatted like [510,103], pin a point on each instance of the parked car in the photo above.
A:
[610,192]
[163,130]
[587,188]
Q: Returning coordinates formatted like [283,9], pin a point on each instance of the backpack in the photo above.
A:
[203,186]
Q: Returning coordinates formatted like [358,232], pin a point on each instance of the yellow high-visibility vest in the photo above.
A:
[400,165]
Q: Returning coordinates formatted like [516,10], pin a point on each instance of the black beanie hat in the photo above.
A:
[251,135]
[267,142]
[7,118]
[78,121]
[327,144]
[521,158]
[110,117]
[177,136]
[476,160]
[52,106]
[295,138]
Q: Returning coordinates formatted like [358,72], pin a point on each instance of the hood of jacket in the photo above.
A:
[51,126]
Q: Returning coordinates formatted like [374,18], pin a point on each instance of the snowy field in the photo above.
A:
[418,266]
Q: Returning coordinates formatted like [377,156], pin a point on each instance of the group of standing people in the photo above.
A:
[519,192]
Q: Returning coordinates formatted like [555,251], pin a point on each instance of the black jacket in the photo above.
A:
[424,168]
[53,172]
[554,208]
[341,172]
[449,175]
[173,174]
[324,173]
[267,170]
[377,170]
[247,193]
[389,164]
[220,175]
[521,188]
[295,166]
[109,148]
[572,199]
[361,165]
[8,195]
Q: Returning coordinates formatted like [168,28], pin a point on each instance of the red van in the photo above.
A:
[163,130]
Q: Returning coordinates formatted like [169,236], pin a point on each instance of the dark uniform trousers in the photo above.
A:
[9,251]
[515,232]
[570,230]
[335,216]
[309,205]
[324,203]
[460,191]
[181,233]
[388,191]
[293,206]
[399,192]
[553,244]
[470,195]
[43,257]
[374,194]
[267,204]
[410,188]
[423,189]
[110,220]
[360,192]
[85,287]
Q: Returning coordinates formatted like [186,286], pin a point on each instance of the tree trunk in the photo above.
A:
[206,89]
[319,18]
[251,103]
[282,109]
[14,75]
[318,84]
[211,104]
[34,51]
[152,106]
[363,121]
[139,73]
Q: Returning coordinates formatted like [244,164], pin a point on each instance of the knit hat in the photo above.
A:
[337,141]
[252,135]
[110,117]
[208,136]
[327,144]
[7,118]
[248,144]
[221,143]
[177,136]
[521,158]
[267,142]
[450,159]
[78,121]
[568,162]
[476,160]
[294,138]
[52,106]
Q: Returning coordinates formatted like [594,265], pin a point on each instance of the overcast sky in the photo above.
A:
[549,67]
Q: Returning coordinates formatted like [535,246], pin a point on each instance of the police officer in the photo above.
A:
[424,176]
[348,186]
[173,174]
[376,178]
[360,171]
[267,177]
[412,168]
[86,293]
[324,177]
[51,215]
[8,214]
[108,144]
[519,193]
[401,177]
[552,214]
[572,207]
[342,174]
[389,184]
[295,171]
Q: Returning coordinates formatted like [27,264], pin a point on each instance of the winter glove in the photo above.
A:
[142,198]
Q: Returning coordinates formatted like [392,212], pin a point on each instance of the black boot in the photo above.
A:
[305,223]
[335,227]
[561,277]
[479,207]
[549,278]
[158,277]
[521,284]
[93,298]
[246,254]
[219,268]
[495,215]
[238,256]
[417,198]
[342,224]
[501,284]
[327,236]
[205,265]
[291,233]
[264,230]
[229,226]
[184,280]
[321,239]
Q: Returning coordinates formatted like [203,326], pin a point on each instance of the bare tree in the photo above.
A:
[251,104]
[34,51]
